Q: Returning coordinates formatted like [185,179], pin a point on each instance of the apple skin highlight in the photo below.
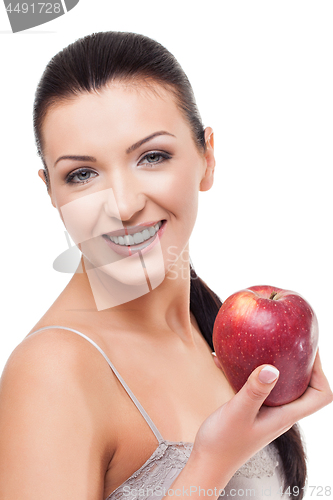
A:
[267,325]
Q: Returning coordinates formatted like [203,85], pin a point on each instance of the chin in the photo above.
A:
[129,278]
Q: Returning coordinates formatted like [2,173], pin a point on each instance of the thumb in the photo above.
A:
[256,389]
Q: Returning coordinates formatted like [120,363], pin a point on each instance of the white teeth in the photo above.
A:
[128,239]
[145,234]
[134,239]
[138,238]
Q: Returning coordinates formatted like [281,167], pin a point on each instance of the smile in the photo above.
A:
[136,238]
[142,241]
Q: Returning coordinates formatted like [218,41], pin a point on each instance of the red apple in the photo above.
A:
[265,324]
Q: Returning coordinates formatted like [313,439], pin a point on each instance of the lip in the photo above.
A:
[128,250]
[132,229]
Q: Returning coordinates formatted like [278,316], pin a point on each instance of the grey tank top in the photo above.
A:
[260,477]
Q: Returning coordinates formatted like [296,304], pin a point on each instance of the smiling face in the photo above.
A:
[123,157]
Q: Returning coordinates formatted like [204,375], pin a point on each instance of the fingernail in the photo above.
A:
[213,353]
[268,374]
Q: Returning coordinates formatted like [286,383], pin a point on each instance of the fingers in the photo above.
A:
[317,395]
[216,361]
[247,402]
[318,380]
[254,392]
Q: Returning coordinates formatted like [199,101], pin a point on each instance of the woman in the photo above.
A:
[125,155]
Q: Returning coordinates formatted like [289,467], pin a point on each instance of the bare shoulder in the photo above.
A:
[52,358]
[59,361]
[51,393]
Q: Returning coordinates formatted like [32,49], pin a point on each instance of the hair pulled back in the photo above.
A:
[98,59]
[88,65]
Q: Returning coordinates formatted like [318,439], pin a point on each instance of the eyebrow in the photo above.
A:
[146,139]
[128,150]
[75,158]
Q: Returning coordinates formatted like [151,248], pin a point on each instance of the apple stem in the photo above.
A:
[273,295]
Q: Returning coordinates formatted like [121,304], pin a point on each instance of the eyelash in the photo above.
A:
[72,175]
[164,155]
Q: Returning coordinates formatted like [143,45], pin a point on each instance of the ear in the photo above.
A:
[42,174]
[208,178]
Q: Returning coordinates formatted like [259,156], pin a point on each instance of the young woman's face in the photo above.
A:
[119,158]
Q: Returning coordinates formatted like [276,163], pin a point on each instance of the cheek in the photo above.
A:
[180,192]
[91,215]
[78,219]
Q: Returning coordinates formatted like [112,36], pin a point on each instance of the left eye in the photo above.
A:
[80,176]
[154,157]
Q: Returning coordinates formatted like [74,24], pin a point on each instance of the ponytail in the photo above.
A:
[205,304]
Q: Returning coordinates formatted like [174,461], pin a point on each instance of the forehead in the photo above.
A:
[117,114]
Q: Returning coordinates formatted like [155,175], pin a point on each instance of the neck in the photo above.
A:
[162,310]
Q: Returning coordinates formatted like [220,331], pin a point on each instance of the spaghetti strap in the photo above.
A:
[119,377]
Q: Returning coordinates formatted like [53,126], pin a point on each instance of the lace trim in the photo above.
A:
[262,464]
[170,458]
[166,458]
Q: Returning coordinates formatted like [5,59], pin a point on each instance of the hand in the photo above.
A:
[242,426]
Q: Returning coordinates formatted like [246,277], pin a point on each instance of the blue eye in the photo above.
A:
[154,157]
[82,175]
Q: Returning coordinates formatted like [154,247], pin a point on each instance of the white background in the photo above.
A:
[262,74]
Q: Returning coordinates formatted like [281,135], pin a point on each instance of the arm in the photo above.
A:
[50,445]
[240,428]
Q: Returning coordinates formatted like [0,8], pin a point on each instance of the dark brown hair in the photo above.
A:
[95,60]
[89,64]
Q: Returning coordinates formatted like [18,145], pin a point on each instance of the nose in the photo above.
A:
[126,196]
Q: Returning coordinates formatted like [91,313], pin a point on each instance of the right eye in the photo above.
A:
[80,176]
